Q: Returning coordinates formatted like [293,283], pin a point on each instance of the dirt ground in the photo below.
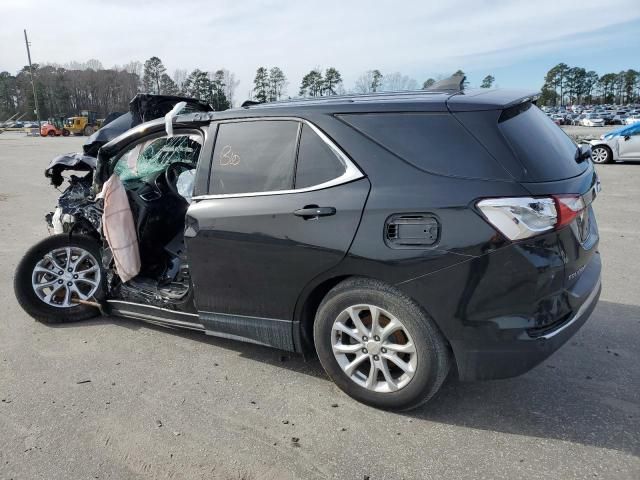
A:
[118,399]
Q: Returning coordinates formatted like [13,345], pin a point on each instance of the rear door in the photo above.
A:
[283,206]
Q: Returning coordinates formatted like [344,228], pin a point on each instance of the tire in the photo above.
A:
[65,133]
[51,133]
[430,360]
[601,154]
[88,131]
[26,277]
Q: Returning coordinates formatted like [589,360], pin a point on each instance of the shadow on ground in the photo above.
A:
[587,393]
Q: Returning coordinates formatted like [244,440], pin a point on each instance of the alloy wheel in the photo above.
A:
[373,348]
[66,275]
[599,155]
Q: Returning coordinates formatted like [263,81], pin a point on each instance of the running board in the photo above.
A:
[155,315]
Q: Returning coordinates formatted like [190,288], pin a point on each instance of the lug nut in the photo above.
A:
[60,281]
[364,350]
[60,272]
[69,284]
[383,350]
[376,338]
[75,276]
[376,357]
[69,270]
[364,339]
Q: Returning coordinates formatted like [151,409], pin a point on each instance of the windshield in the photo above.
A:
[144,161]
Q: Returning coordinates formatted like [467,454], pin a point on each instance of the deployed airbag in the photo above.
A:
[119,229]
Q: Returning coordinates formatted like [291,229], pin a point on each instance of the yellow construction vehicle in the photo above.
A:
[84,124]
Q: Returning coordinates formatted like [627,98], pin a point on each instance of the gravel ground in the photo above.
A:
[112,398]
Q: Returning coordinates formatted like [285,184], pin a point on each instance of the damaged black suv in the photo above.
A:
[398,236]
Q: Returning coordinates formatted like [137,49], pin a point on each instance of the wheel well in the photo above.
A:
[605,146]
[309,309]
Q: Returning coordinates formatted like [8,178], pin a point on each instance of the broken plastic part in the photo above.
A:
[184,184]
[171,115]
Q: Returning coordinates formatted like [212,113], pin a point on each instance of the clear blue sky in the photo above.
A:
[609,49]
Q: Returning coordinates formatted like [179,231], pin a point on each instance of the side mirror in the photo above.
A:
[585,152]
[626,137]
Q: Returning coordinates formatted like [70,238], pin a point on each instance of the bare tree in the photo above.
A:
[180,76]
[395,82]
[369,81]
[230,85]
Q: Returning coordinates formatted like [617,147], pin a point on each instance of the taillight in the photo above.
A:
[523,217]
[568,207]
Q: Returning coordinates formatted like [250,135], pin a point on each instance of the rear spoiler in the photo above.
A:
[453,84]
[490,99]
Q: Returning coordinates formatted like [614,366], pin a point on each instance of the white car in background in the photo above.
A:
[592,120]
[631,119]
[618,145]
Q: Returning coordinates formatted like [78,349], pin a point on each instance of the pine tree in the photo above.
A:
[261,85]
[487,81]
[153,71]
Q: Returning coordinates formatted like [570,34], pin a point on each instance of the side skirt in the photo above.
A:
[271,332]
[261,331]
[155,315]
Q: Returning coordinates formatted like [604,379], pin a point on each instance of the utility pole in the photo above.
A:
[33,82]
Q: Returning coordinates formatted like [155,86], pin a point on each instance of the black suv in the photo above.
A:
[398,236]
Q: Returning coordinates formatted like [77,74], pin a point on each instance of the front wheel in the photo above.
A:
[601,154]
[379,346]
[57,272]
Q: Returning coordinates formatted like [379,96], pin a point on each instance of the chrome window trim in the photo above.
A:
[350,174]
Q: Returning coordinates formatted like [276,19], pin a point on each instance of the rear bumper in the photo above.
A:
[506,312]
[491,359]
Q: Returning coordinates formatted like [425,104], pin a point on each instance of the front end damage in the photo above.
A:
[78,211]
[162,283]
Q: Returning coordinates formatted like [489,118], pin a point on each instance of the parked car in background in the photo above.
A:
[592,120]
[320,226]
[619,118]
[631,119]
[618,145]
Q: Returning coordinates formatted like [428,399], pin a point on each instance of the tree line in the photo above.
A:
[565,85]
[64,90]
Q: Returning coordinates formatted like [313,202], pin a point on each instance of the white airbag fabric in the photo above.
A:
[119,229]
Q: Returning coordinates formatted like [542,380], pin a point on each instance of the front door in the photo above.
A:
[629,143]
[284,205]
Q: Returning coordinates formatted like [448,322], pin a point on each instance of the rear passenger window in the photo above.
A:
[253,157]
[432,142]
[317,162]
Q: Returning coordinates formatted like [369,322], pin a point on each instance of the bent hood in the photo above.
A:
[142,108]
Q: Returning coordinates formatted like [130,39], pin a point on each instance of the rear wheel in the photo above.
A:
[57,272]
[379,346]
[88,130]
[51,133]
[65,133]
[601,154]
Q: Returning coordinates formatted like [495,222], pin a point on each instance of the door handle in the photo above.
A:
[310,212]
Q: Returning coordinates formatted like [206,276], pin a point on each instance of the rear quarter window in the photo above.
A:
[543,149]
[433,142]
